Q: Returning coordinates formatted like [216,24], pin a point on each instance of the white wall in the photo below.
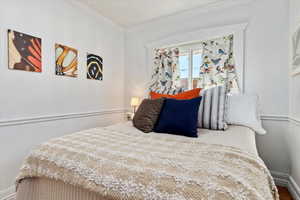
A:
[266,70]
[294,136]
[30,95]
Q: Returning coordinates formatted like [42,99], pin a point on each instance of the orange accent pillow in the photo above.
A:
[190,94]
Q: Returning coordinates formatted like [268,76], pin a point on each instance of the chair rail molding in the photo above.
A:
[48,118]
[270,117]
[8,194]
[295,120]
[291,119]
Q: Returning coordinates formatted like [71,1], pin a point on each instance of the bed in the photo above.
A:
[121,162]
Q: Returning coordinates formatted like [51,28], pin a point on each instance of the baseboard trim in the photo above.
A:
[16,122]
[285,180]
[294,188]
[281,179]
[8,194]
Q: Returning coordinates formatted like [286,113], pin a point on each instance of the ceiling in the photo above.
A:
[132,12]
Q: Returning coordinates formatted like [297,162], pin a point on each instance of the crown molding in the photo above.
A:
[209,7]
[48,118]
[93,12]
[179,39]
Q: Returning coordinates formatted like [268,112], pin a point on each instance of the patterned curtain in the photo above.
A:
[218,67]
[166,76]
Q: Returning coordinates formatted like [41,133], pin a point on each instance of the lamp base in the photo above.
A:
[129,116]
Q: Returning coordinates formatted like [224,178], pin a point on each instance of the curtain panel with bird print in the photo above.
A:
[218,66]
[166,77]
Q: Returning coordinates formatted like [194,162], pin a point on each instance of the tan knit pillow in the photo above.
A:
[147,114]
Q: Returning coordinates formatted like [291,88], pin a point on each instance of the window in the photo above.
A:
[184,69]
[190,61]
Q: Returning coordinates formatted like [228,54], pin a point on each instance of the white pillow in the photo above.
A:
[242,109]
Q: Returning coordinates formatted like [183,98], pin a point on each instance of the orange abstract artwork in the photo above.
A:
[24,52]
[66,61]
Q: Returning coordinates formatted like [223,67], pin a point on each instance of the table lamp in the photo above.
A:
[134,103]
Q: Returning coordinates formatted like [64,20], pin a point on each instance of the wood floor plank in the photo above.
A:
[284,193]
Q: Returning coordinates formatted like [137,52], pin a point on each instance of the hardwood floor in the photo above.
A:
[284,193]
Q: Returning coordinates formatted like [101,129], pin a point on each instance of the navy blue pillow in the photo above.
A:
[179,117]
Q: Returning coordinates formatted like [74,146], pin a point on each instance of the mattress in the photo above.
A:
[45,188]
[240,137]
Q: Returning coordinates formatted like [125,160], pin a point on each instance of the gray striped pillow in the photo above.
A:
[212,108]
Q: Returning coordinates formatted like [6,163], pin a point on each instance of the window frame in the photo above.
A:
[203,34]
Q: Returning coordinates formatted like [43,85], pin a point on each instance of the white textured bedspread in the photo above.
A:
[120,164]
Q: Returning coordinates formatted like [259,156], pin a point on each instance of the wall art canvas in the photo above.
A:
[296,48]
[24,52]
[94,67]
[296,52]
[66,61]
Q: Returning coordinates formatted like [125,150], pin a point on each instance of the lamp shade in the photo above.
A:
[134,101]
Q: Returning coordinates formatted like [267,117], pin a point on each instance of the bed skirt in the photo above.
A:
[48,189]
